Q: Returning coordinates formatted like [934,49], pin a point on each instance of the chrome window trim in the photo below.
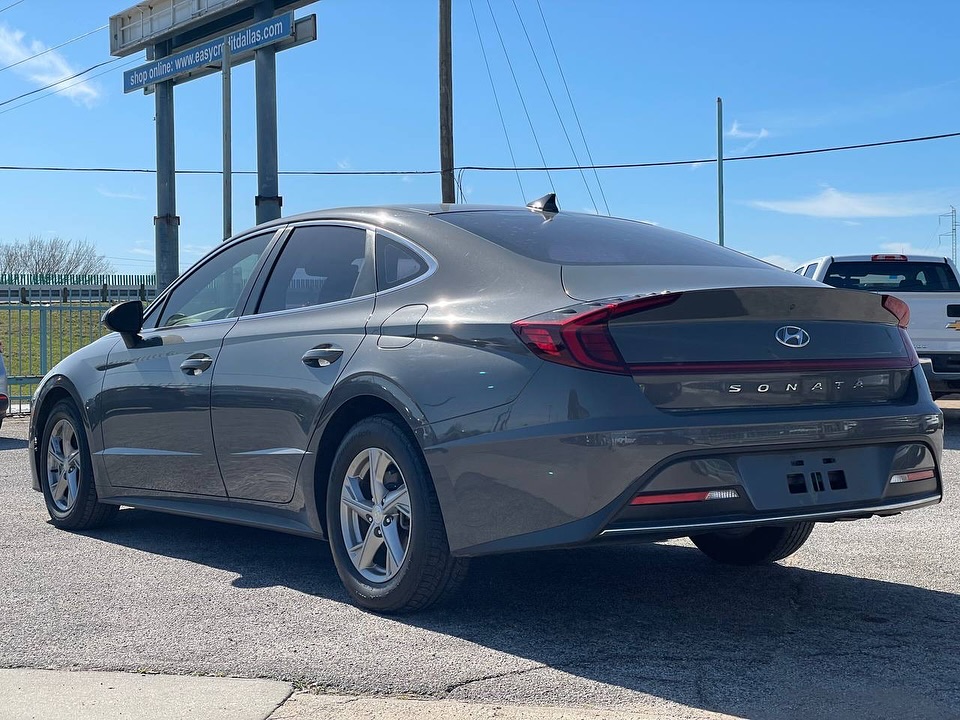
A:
[160,301]
[372,231]
[369,229]
[412,246]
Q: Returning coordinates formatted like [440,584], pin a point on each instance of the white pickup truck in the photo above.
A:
[930,288]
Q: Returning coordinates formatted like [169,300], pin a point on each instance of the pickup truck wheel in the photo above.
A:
[753,547]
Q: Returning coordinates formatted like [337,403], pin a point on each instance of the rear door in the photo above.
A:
[280,360]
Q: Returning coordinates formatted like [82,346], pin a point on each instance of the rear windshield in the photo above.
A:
[575,239]
[902,276]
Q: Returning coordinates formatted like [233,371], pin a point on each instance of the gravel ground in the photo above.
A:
[864,621]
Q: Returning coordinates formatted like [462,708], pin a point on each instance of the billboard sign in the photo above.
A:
[209,53]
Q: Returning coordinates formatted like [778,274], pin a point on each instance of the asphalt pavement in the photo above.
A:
[863,622]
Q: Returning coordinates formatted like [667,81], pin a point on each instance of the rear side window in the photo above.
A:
[810,271]
[396,264]
[574,239]
[901,276]
[318,265]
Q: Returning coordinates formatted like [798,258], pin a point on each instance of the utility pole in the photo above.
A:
[953,232]
[447,187]
[720,169]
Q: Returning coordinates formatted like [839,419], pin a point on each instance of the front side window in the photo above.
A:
[213,290]
[320,264]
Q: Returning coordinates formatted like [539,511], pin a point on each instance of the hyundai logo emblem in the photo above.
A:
[792,336]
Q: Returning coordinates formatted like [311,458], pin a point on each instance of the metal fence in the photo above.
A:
[37,337]
[47,288]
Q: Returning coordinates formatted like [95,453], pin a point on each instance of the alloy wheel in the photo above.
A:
[375,516]
[63,465]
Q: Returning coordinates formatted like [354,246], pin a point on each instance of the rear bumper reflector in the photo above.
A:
[681,497]
[913,476]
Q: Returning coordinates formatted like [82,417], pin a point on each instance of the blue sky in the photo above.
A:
[644,76]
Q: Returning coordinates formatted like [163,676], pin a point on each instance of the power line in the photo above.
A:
[493,168]
[55,47]
[573,107]
[66,87]
[523,102]
[496,100]
[13,4]
[59,82]
[563,127]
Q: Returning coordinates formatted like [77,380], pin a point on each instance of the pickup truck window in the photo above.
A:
[900,276]
[811,270]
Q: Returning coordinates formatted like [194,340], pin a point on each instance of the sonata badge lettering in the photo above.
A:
[792,336]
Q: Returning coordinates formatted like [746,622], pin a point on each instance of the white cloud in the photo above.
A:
[119,195]
[833,203]
[850,222]
[905,248]
[196,250]
[784,261]
[754,136]
[47,69]
[736,131]
[142,247]
[344,164]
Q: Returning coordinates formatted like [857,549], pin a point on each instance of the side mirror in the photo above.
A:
[125,318]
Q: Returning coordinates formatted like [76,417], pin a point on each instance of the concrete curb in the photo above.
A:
[306,706]
[28,694]
[56,694]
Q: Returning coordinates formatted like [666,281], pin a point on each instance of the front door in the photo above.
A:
[155,401]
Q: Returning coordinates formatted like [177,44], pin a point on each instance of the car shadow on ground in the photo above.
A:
[9,443]
[662,620]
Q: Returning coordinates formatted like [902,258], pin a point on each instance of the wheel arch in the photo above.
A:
[351,401]
[54,390]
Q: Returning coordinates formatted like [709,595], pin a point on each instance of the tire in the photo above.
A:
[402,519]
[754,547]
[68,484]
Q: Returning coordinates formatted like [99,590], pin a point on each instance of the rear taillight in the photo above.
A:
[583,339]
[901,311]
[898,308]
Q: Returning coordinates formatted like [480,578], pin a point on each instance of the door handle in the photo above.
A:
[322,356]
[196,364]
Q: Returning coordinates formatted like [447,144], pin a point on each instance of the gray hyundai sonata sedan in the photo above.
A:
[419,385]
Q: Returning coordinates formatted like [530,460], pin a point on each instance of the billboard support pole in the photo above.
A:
[227,146]
[166,222]
[268,200]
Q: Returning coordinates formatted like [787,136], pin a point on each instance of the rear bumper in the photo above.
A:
[560,466]
[687,528]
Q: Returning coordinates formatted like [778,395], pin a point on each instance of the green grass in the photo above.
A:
[69,327]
